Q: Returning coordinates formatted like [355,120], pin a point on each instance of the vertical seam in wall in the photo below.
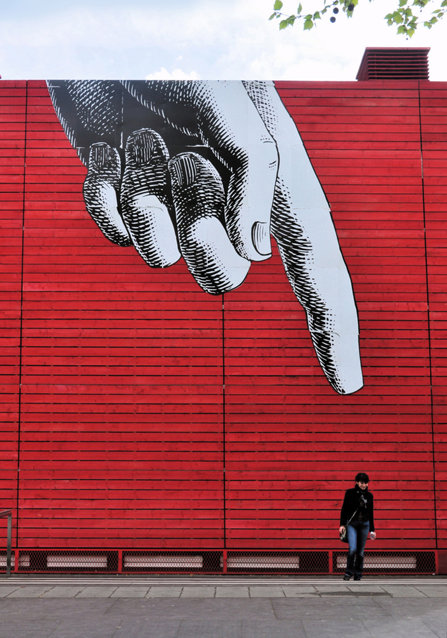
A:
[19,411]
[427,284]
[224,485]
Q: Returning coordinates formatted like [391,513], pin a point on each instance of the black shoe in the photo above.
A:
[357,578]
[347,577]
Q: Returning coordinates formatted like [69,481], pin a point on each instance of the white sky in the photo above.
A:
[208,39]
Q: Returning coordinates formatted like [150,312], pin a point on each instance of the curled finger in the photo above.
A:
[145,199]
[100,190]
[199,202]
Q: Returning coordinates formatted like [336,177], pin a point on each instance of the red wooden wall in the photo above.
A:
[12,145]
[294,444]
[433,106]
[143,413]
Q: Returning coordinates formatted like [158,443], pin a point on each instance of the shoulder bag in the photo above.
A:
[344,533]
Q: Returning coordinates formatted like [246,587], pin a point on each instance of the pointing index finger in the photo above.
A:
[308,244]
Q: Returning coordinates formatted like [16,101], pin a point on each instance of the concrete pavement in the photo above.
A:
[214,607]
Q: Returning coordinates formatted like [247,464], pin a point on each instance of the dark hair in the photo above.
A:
[361,476]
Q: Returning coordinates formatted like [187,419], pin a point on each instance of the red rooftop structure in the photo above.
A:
[394,64]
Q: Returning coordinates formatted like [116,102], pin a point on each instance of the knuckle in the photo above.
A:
[261,152]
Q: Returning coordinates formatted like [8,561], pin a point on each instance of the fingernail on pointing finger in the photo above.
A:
[102,156]
[260,234]
[144,146]
[183,170]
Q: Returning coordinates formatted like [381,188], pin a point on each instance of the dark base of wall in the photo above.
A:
[442,561]
[220,562]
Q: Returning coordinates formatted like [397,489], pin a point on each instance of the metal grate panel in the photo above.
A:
[391,562]
[286,562]
[172,561]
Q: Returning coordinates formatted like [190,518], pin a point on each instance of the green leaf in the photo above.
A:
[404,15]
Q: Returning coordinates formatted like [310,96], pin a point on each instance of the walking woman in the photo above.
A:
[357,517]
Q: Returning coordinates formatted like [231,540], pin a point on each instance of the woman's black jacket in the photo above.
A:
[351,503]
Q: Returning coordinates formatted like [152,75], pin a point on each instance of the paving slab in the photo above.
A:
[164,592]
[201,627]
[63,591]
[403,591]
[399,628]
[436,620]
[32,591]
[5,590]
[326,628]
[130,592]
[407,607]
[146,628]
[333,590]
[232,591]
[89,627]
[221,609]
[198,592]
[330,608]
[150,608]
[96,591]
[367,590]
[432,591]
[273,629]
[266,592]
[30,629]
[300,592]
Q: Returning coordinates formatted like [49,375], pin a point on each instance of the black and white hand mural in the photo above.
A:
[208,171]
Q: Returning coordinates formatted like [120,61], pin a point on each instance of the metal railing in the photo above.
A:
[4,514]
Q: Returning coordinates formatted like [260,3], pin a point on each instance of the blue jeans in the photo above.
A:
[357,534]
